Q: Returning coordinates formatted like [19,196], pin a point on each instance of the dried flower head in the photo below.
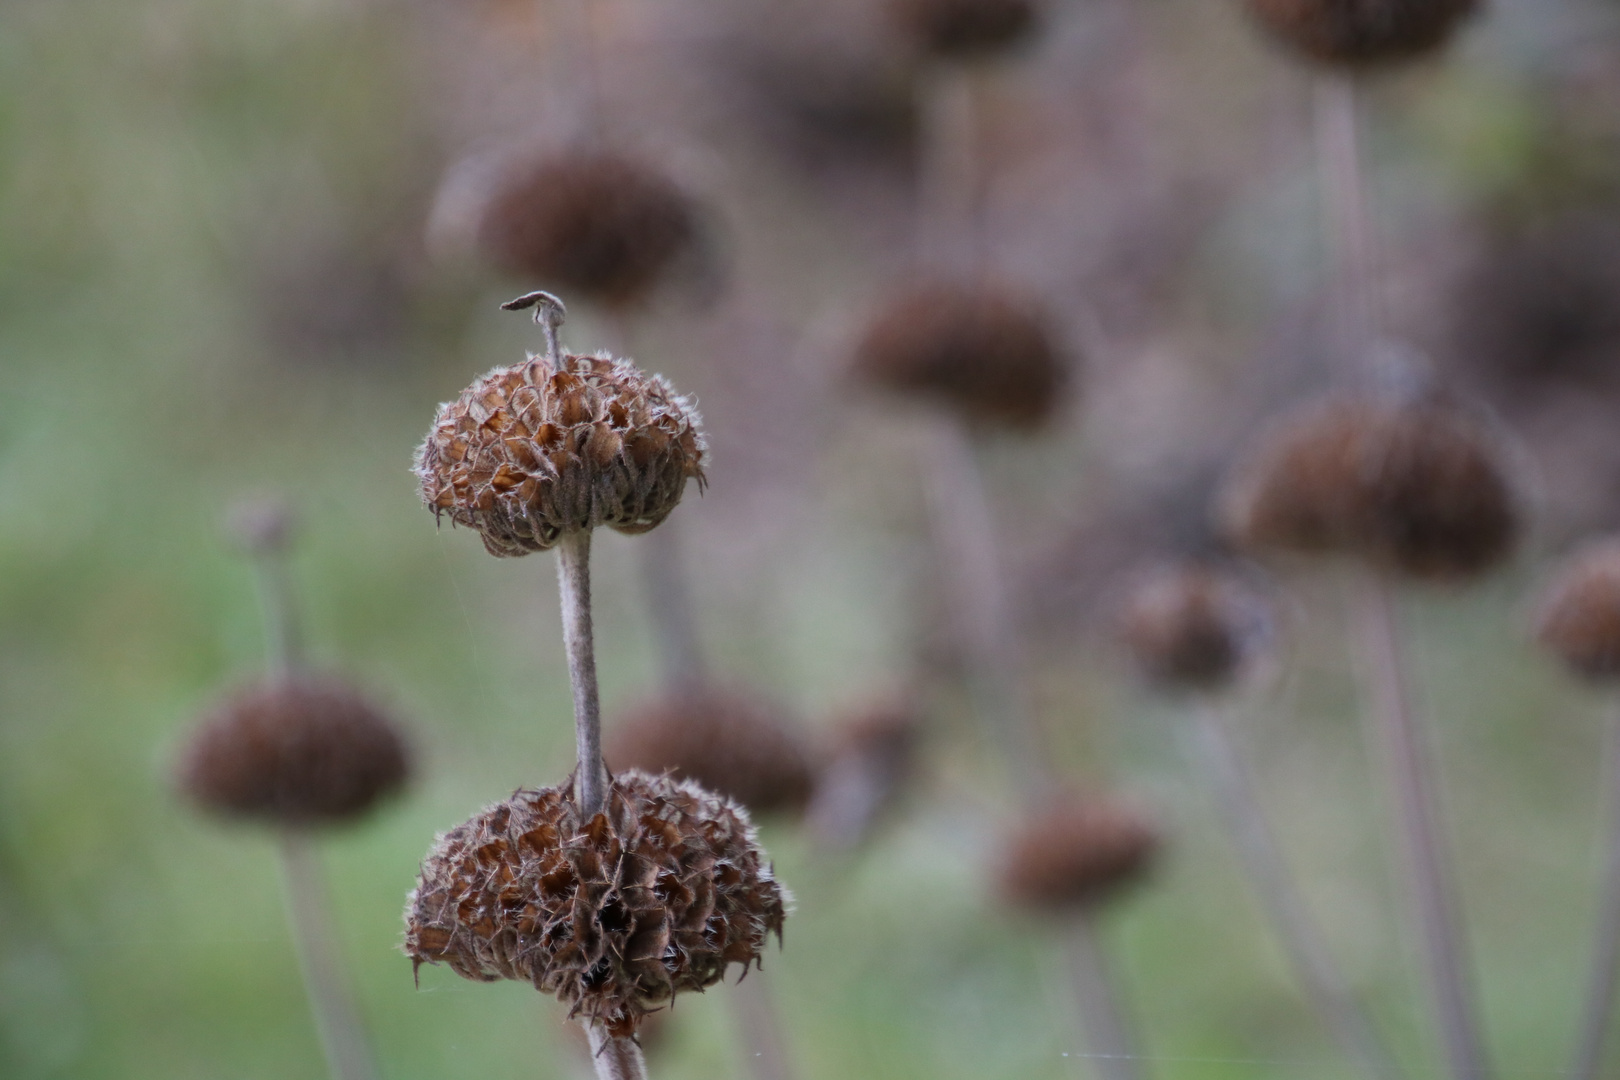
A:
[966,29]
[1075,852]
[726,741]
[1415,486]
[597,224]
[985,351]
[296,751]
[1193,626]
[529,452]
[659,893]
[1362,33]
[1578,617]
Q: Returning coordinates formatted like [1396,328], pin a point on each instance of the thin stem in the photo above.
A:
[759,1023]
[964,531]
[1232,784]
[1109,1043]
[1350,227]
[670,602]
[574,586]
[331,1000]
[283,644]
[948,203]
[615,1058]
[1598,1009]
[1435,906]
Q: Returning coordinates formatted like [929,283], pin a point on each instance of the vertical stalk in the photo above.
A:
[671,604]
[1598,1007]
[965,532]
[1350,227]
[616,1058]
[758,1020]
[1232,784]
[331,1000]
[951,183]
[574,586]
[1109,1043]
[1435,906]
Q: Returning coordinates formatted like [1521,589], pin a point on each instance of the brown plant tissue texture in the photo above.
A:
[967,29]
[1075,852]
[660,892]
[1362,33]
[527,453]
[1192,627]
[1578,617]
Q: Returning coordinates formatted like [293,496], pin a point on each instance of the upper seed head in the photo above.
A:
[295,751]
[1362,33]
[531,451]
[1418,487]
[659,893]
[1578,617]
[986,352]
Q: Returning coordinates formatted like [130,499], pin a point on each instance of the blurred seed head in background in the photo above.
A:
[1578,615]
[1193,626]
[1362,33]
[1075,852]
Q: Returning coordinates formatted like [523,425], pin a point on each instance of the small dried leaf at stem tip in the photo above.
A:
[1578,616]
[532,451]
[1362,33]
[660,893]
[1075,852]
[297,752]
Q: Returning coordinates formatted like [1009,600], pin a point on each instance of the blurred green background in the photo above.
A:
[213,284]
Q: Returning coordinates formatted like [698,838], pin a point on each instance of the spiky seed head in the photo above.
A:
[1075,852]
[1578,616]
[966,29]
[725,740]
[1193,626]
[1416,486]
[298,751]
[660,892]
[1362,33]
[985,351]
[529,452]
[596,224]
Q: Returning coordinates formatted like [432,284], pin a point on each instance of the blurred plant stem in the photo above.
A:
[331,1000]
[1350,232]
[1439,921]
[759,1022]
[1598,1007]
[615,1058]
[670,602]
[950,200]
[1109,1042]
[1214,754]
[283,638]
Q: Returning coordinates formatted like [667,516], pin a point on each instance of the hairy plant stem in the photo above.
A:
[1360,319]
[1214,755]
[574,588]
[331,1000]
[1109,1043]
[1435,907]
[1598,1006]
[615,1058]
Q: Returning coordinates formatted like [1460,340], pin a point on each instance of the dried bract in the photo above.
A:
[985,351]
[1362,33]
[595,224]
[725,741]
[1415,486]
[528,452]
[297,751]
[1578,617]
[967,29]
[659,893]
[1193,627]
[1076,852]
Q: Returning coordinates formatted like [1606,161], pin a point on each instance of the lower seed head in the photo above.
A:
[1362,33]
[296,752]
[659,893]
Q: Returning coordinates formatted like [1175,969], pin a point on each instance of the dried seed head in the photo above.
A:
[1074,853]
[1418,487]
[984,351]
[659,893]
[529,452]
[1193,627]
[1578,617]
[1362,33]
[596,224]
[966,29]
[298,751]
[725,741]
